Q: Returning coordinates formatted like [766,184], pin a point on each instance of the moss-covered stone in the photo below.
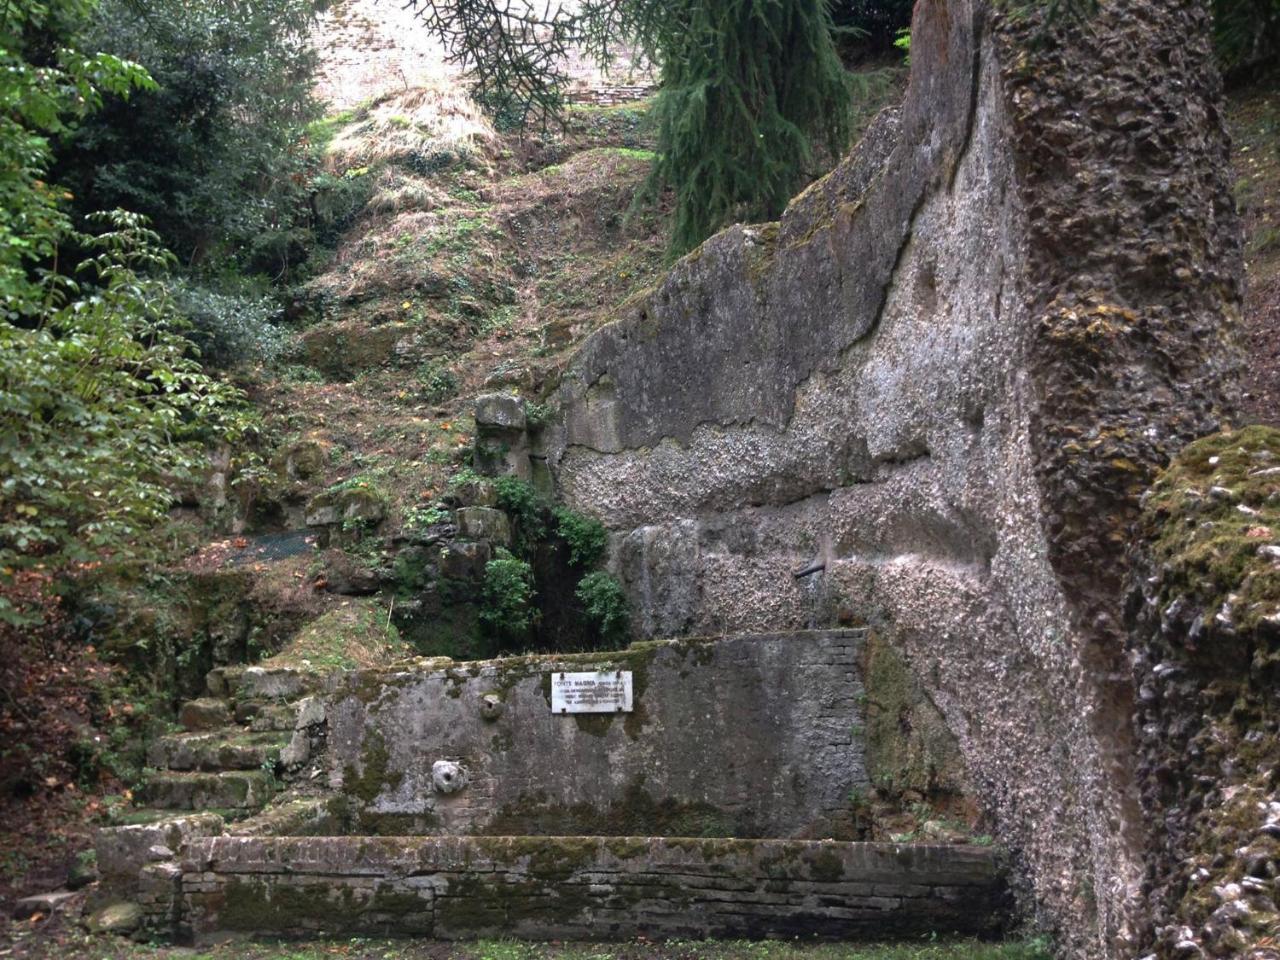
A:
[908,744]
[373,776]
[356,634]
[635,813]
[1205,617]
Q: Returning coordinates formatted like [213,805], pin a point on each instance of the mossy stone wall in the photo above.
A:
[749,736]
[585,888]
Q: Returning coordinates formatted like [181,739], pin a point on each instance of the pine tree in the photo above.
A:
[746,87]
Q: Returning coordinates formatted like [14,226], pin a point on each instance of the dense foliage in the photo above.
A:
[103,410]
[103,406]
[45,87]
[585,537]
[604,603]
[506,609]
[212,153]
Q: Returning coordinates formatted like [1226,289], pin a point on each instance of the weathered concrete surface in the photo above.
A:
[946,376]
[750,736]
[585,888]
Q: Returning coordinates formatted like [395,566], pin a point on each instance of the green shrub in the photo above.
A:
[506,606]
[464,477]
[585,536]
[419,519]
[336,201]
[47,87]
[538,415]
[522,503]
[231,329]
[436,382]
[604,603]
[103,412]
[212,154]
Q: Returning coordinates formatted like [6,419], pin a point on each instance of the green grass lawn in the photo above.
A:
[83,947]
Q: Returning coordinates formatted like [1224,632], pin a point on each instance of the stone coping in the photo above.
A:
[586,658]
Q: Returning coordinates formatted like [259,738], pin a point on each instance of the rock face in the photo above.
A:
[937,388]
[1205,608]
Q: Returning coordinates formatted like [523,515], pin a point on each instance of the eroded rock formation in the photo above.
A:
[939,385]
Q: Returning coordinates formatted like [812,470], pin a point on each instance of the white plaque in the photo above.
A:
[605,691]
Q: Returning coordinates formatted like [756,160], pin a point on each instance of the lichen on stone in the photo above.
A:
[1205,615]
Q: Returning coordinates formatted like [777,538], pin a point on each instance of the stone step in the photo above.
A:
[232,790]
[219,750]
[205,713]
[266,715]
[263,683]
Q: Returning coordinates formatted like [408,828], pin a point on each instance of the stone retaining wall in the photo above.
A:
[608,95]
[584,888]
[748,736]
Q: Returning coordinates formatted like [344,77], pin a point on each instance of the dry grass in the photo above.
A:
[431,123]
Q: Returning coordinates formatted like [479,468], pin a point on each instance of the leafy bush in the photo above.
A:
[538,415]
[604,603]
[231,329]
[524,506]
[45,88]
[436,382]
[214,154]
[337,200]
[103,412]
[506,607]
[585,536]
[420,519]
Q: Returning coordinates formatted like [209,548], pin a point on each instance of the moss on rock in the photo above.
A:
[1205,638]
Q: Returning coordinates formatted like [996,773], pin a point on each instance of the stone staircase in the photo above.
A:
[240,741]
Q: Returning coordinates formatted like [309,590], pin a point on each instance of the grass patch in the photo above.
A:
[84,947]
[356,634]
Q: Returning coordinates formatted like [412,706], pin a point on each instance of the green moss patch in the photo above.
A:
[1214,520]
[356,634]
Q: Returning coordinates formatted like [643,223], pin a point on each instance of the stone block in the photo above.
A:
[575,887]
[484,523]
[704,707]
[322,514]
[205,713]
[297,752]
[499,412]
[310,713]
[118,918]
[238,789]
[229,750]
[122,852]
[464,561]
[479,492]
[276,684]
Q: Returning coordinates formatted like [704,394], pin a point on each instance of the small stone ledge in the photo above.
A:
[585,887]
